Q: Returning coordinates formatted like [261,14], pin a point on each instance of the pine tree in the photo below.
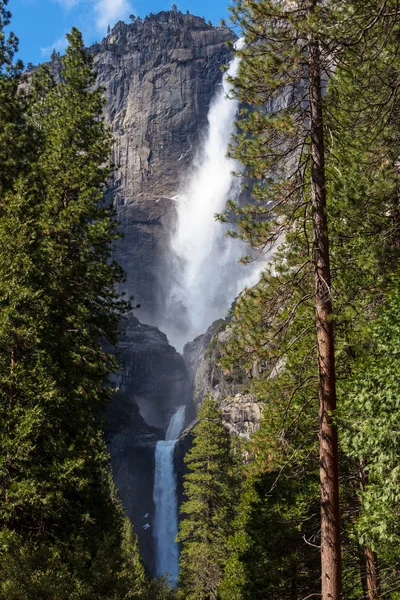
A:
[13,136]
[61,527]
[269,558]
[293,157]
[292,49]
[209,509]
[269,335]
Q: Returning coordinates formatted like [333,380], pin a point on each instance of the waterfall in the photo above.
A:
[165,501]
[206,276]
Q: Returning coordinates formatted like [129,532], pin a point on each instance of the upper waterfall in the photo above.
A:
[206,276]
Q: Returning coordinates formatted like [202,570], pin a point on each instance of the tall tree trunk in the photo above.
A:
[370,575]
[369,571]
[329,468]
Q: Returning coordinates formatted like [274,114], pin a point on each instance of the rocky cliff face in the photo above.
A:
[152,383]
[241,411]
[131,443]
[159,76]
[153,375]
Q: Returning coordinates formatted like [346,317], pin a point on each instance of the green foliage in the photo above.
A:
[58,308]
[14,138]
[273,323]
[270,554]
[211,487]
[62,532]
[370,415]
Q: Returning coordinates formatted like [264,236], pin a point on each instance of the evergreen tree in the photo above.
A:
[273,326]
[61,529]
[268,555]
[370,415]
[365,231]
[292,48]
[285,147]
[13,137]
[210,487]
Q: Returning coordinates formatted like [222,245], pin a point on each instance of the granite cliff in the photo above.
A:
[159,76]
[241,411]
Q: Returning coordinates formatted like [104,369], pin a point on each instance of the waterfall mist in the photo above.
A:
[165,501]
[206,276]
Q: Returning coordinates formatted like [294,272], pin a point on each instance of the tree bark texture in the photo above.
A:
[369,571]
[331,585]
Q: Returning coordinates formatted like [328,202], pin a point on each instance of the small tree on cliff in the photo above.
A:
[209,510]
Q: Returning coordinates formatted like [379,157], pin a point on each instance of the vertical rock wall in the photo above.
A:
[159,76]
[152,383]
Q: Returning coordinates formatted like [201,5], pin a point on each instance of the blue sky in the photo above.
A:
[41,25]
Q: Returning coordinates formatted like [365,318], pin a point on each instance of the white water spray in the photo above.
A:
[165,500]
[207,275]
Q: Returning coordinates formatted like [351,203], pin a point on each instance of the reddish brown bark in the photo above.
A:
[369,571]
[370,577]
[331,584]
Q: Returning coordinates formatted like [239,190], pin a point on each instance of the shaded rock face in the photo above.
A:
[159,77]
[242,414]
[194,351]
[131,443]
[153,374]
[241,411]
[152,383]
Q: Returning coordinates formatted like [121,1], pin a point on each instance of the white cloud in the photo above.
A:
[59,45]
[68,4]
[92,17]
[108,12]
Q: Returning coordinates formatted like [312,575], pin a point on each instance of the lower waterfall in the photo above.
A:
[165,501]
